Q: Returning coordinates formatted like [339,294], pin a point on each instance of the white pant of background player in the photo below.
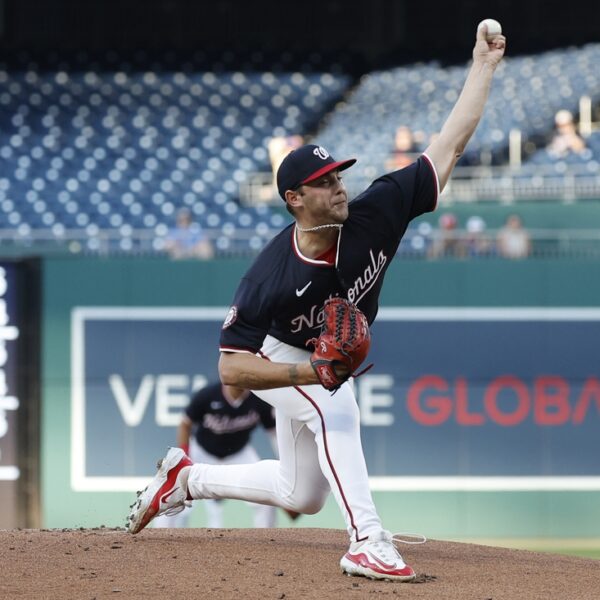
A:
[318,436]
[263,515]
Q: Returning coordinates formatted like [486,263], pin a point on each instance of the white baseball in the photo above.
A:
[493,28]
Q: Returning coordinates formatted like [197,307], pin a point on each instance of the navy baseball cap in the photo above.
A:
[305,164]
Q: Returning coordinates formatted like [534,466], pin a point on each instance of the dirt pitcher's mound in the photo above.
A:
[268,564]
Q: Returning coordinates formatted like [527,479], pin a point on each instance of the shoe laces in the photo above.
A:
[175,510]
[412,539]
[387,544]
[386,551]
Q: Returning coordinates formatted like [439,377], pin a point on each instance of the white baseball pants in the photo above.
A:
[318,435]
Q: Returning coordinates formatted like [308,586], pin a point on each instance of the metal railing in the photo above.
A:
[560,182]
[565,183]
[459,243]
[462,244]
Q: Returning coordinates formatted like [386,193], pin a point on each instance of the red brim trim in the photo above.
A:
[335,166]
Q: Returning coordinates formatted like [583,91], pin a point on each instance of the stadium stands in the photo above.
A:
[110,152]
[556,229]
[526,94]
[123,150]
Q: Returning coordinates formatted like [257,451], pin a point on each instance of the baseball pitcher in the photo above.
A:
[297,331]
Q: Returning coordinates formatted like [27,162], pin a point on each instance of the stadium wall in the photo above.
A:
[480,416]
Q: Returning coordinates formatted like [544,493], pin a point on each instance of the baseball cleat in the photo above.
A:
[376,558]
[165,495]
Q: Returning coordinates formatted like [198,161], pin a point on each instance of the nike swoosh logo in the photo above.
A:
[300,292]
[379,561]
[166,496]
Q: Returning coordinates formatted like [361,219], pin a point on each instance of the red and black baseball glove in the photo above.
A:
[343,344]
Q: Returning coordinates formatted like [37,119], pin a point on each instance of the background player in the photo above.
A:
[216,429]
[332,249]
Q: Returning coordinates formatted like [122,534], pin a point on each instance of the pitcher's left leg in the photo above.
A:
[336,425]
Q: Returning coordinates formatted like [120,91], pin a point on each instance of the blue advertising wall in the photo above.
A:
[469,406]
[503,392]
[134,371]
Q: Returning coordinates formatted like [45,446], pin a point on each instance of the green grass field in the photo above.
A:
[584,547]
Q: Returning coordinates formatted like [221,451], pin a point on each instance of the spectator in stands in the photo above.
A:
[404,149]
[513,240]
[279,147]
[446,240]
[187,240]
[477,242]
[566,139]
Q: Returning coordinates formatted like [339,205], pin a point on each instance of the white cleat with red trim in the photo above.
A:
[165,495]
[376,558]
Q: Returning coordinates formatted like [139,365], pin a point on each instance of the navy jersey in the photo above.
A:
[283,292]
[223,428]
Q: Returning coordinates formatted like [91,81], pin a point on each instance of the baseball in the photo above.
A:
[493,28]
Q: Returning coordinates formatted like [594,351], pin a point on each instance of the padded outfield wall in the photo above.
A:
[480,417]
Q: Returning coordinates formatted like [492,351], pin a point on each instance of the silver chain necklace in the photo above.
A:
[317,227]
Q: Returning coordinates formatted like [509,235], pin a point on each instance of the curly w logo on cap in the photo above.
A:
[321,153]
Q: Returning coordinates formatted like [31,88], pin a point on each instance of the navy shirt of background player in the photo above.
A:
[283,292]
[223,428]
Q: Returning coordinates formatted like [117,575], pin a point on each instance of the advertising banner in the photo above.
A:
[467,398]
